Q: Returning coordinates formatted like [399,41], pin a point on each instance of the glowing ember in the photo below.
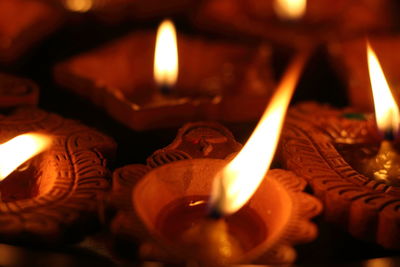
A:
[166,55]
[18,150]
[290,9]
[237,182]
[386,109]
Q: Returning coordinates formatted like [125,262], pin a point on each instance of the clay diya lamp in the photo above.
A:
[216,80]
[349,60]
[351,165]
[297,23]
[53,197]
[171,200]
[23,23]
[16,91]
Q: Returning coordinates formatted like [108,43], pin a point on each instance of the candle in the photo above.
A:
[217,80]
[178,191]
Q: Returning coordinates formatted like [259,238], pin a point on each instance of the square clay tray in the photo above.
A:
[217,80]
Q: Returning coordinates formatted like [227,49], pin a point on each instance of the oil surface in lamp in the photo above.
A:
[178,218]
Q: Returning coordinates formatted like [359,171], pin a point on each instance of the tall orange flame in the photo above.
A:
[18,150]
[386,109]
[166,55]
[236,182]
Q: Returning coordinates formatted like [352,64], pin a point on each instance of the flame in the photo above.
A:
[386,109]
[166,55]
[19,149]
[236,182]
[79,5]
[290,9]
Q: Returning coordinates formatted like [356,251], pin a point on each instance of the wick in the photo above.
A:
[214,213]
[389,135]
[165,89]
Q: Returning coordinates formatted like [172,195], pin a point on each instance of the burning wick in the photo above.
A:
[19,149]
[385,165]
[166,57]
[210,240]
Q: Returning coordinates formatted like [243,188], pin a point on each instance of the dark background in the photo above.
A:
[319,83]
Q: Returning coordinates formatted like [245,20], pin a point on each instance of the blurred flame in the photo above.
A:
[236,182]
[166,55]
[78,5]
[386,109]
[290,9]
[19,149]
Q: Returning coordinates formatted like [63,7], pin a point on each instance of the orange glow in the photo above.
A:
[290,9]
[236,182]
[386,109]
[166,55]
[18,150]
[78,5]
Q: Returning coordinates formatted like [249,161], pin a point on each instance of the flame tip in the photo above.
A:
[232,187]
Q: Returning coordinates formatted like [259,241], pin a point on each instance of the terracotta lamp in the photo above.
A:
[295,22]
[54,196]
[16,91]
[349,60]
[189,202]
[351,160]
[207,80]
[23,23]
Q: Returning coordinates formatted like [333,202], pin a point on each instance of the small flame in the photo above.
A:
[386,109]
[236,182]
[78,5]
[19,149]
[166,55]
[290,9]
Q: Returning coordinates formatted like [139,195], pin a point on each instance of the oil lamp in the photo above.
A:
[351,160]
[214,76]
[52,173]
[170,200]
